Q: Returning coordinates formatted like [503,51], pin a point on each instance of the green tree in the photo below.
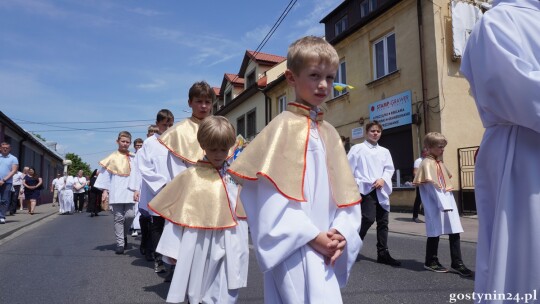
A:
[77,164]
[39,136]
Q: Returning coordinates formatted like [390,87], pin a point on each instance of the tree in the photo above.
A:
[77,164]
[39,136]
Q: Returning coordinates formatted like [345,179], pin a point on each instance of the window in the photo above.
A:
[384,56]
[251,124]
[241,126]
[228,97]
[341,77]
[367,6]
[250,79]
[341,25]
[282,103]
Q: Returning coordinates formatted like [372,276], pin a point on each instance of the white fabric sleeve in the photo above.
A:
[103,181]
[347,222]
[150,171]
[278,226]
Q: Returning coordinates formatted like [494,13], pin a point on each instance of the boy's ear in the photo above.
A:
[289,75]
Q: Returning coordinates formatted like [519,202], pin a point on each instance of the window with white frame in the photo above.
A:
[251,117]
[250,79]
[384,56]
[341,25]
[341,76]
[228,97]
[282,103]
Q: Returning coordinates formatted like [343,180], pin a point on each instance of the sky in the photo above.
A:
[66,64]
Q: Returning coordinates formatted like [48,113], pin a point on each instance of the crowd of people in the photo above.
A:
[197,189]
[307,202]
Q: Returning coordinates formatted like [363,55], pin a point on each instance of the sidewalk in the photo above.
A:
[23,219]
[402,223]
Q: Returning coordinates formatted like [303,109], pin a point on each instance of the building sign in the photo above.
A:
[393,111]
[357,133]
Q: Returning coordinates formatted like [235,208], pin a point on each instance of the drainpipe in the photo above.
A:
[422,65]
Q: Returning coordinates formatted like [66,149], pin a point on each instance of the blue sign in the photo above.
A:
[393,111]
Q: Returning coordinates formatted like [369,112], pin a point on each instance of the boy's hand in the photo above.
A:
[104,196]
[136,196]
[378,184]
[338,244]
[321,245]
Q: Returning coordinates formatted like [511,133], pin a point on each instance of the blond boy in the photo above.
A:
[201,208]
[299,193]
[440,210]
[113,179]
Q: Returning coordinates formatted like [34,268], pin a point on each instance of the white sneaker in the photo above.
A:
[134,233]
[2,221]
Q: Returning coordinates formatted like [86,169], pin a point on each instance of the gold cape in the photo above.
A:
[117,163]
[181,140]
[279,154]
[429,172]
[197,198]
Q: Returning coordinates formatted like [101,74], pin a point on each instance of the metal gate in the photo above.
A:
[466,163]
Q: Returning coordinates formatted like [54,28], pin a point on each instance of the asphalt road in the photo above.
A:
[70,259]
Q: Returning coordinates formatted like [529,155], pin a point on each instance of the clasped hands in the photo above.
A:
[330,244]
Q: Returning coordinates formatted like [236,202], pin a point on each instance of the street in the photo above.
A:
[70,259]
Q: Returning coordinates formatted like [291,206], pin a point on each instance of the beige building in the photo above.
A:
[398,55]
[244,103]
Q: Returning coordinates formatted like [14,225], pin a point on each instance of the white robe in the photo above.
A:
[369,163]
[134,184]
[502,64]
[151,162]
[438,221]
[212,264]
[117,186]
[281,230]
[65,197]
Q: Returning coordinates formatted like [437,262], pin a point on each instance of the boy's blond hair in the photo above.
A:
[124,134]
[433,139]
[216,132]
[310,48]
[201,89]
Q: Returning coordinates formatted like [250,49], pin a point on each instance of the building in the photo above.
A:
[398,54]
[32,152]
[244,103]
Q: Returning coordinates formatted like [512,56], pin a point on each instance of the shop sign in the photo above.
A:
[393,111]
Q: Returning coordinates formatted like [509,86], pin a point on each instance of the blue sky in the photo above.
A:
[103,60]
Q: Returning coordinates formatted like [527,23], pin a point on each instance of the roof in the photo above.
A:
[260,58]
[216,91]
[234,79]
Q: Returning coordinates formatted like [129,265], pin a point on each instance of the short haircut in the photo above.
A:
[307,49]
[373,123]
[138,141]
[153,129]
[216,132]
[201,89]
[164,114]
[124,134]
[433,139]
[4,143]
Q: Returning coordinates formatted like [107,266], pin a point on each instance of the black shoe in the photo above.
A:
[149,256]
[386,258]
[159,267]
[436,267]
[119,250]
[462,270]
[417,220]
[169,276]
[91,215]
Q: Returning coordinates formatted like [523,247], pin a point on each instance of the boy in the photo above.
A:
[181,142]
[441,214]
[300,198]
[373,168]
[113,179]
[150,175]
[206,232]
[507,167]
